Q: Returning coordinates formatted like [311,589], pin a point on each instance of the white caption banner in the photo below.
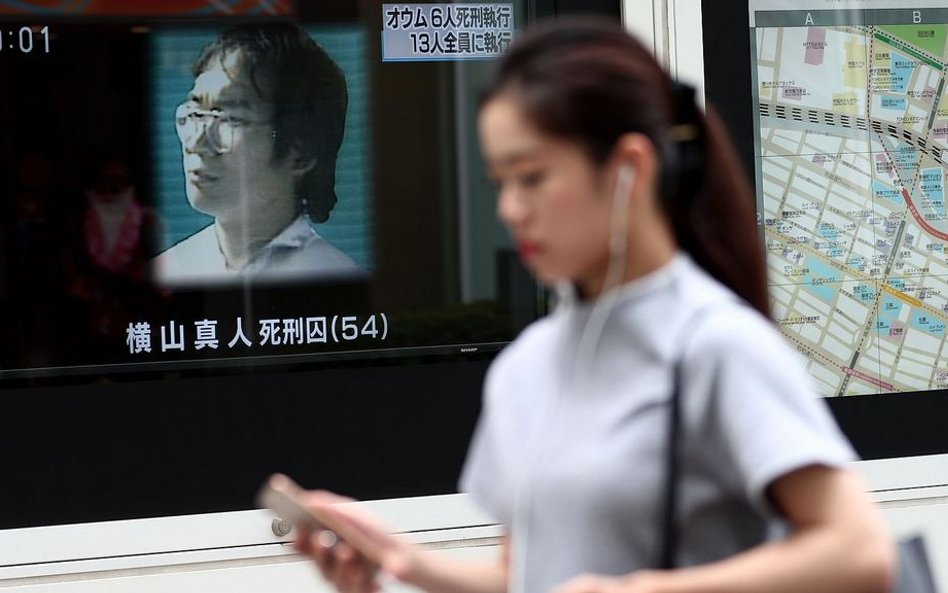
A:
[425,32]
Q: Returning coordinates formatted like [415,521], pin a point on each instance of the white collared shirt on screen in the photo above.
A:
[297,253]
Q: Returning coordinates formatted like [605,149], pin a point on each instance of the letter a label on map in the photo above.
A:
[809,19]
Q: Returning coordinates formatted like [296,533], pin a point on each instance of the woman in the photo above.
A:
[622,194]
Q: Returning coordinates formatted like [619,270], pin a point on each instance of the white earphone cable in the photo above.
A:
[618,254]
[592,331]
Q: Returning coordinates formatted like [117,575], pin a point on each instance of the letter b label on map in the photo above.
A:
[916,16]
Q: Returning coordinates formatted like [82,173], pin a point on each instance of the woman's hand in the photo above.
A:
[352,564]
[643,581]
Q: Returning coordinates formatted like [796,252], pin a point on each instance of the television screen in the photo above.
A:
[246,237]
[197,190]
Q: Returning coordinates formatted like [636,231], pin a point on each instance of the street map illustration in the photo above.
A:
[852,137]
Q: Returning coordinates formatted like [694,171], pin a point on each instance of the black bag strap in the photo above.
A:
[915,572]
[673,448]
[672,470]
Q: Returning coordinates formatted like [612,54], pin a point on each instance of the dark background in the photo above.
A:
[175,443]
[879,426]
[182,446]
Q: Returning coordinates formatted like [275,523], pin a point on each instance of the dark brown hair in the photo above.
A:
[589,82]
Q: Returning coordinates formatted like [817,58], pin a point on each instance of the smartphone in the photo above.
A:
[282,495]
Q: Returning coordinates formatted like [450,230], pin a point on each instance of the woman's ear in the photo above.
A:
[637,151]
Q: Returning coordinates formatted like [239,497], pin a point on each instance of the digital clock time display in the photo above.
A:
[25,39]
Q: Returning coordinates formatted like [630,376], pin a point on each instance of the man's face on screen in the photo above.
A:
[227,141]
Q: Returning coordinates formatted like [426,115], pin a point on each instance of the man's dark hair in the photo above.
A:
[308,91]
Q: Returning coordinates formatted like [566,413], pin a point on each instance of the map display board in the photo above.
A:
[851,130]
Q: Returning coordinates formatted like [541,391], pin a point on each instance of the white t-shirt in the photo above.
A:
[572,460]
[297,253]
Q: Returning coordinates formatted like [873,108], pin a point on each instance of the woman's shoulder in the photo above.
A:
[742,353]
[531,342]
[732,327]
[523,354]
[721,328]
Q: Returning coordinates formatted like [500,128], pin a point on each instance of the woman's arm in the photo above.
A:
[838,543]
[437,573]
[352,570]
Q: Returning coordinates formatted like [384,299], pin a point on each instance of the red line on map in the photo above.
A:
[870,379]
[921,221]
